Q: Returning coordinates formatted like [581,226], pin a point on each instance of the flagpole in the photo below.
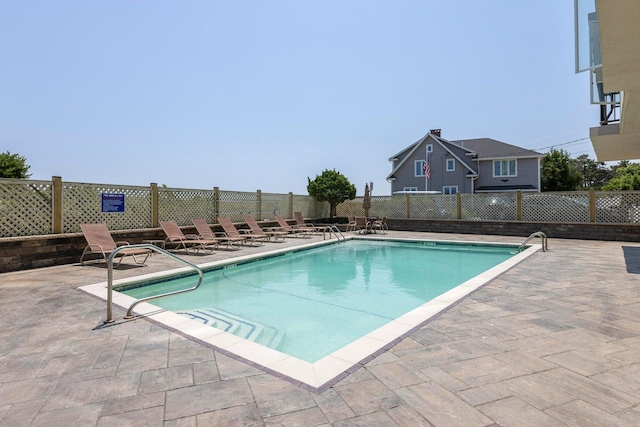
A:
[426,160]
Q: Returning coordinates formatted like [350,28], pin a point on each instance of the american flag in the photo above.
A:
[426,169]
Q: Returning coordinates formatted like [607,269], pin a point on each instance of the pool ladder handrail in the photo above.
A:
[541,235]
[335,230]
[153,248]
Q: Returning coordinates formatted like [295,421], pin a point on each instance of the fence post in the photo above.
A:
[154,205]
[408,204]
[592,205]
[216,203]
[258,205]
[290,205]
[56,208]
[519,205]
[458,206]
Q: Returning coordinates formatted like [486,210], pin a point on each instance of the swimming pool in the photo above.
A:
[292,304]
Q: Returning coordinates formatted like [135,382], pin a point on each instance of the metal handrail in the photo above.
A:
[333,229]
[153,248]
[541,235]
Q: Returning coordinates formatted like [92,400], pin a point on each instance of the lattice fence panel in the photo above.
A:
[82,203]
[433,206]
[307,205]
[181,205]
[556,207]
[387,206]
[236,204]
[493,206]
[350,207]
[397,207]
[617,206]
[25,207]
[274,204]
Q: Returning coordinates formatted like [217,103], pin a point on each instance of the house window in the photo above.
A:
[429,148]
[451,165]
[419,168]
[450,189]
[504,168]
[409,188]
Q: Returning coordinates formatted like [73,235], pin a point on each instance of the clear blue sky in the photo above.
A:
[248,95]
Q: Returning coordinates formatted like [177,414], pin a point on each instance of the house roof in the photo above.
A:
[413,147]
[480,148]
[488,148]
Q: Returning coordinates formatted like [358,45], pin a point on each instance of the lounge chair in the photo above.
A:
[351,223]
[256,230]
[362,225]
[177,237]
[99,241]
[300,224]
[284,226]
[232,232]
[205,232]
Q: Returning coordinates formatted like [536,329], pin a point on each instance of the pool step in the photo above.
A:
[247,329]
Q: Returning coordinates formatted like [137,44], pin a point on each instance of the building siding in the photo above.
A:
[527,170]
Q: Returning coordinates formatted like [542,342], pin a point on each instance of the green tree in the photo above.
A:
[558,174]
[13,166]
[627,177]
[594,174]
[332,187]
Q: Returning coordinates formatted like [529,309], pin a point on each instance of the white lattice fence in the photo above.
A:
[556,207]
[433,206]
[237,204]
[182,205]
[616,207]
[389,207]
[25,207]
[493,206]
[274,204]
[82,203]
[306,205]
[350,207]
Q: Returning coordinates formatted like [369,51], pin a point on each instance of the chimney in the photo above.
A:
[435,132]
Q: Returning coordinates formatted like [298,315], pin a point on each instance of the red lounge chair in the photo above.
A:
[100,242]
[284,226]
[205,232]
[256,230]
[232,232]
[300,224]
[177,237]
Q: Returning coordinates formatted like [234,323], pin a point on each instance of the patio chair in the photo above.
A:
[232,232]
[300,224]
[256,230]
[99,241]
[351,223]
[362,224]
[284,226]
[177,237]
[380,224]
[205,232]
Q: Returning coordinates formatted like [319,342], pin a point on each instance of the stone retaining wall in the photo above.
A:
[585,231]
[23,253]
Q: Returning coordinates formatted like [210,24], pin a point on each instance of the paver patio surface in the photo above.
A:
[555,341]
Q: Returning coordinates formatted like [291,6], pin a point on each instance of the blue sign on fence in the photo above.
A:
[112,202]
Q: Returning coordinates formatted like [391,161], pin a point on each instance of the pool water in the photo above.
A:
[310,303]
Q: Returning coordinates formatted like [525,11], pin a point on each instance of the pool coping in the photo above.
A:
[322,374]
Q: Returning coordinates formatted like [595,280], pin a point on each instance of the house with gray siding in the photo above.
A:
[466,166]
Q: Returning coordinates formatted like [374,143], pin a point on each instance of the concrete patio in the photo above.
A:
[554,341]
